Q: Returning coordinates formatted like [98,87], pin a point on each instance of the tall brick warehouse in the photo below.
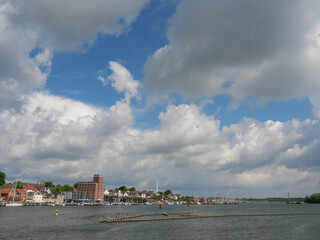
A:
[93,190]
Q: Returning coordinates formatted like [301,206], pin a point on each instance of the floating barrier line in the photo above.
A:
[144,215]
[186,215]
[154,214]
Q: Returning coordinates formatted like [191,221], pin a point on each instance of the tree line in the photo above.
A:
[314,198]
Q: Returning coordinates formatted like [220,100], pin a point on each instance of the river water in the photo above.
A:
[83,222]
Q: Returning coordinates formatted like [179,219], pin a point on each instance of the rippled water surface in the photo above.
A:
[83,223]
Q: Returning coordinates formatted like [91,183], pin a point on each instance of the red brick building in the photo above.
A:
[93,190]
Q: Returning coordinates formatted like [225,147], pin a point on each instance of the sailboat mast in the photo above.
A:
[226,194]
[157,186]
[14,191]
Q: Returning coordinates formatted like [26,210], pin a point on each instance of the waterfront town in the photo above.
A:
[90,193]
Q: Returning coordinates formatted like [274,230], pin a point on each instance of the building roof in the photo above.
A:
[20,191]
[5,190]
[32,188]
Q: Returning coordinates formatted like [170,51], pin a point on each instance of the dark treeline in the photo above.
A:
[314,198]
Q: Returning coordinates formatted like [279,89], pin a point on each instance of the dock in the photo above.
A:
[189,215]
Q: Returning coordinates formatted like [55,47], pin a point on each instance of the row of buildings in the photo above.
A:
[28,193]
[38,193]
[87,191]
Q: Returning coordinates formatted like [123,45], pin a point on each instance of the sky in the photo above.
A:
[202,95]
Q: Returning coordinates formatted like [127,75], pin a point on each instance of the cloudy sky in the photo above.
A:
[203,95]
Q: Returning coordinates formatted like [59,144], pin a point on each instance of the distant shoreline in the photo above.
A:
[271,199]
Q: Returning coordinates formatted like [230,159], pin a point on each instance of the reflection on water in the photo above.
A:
[83,223]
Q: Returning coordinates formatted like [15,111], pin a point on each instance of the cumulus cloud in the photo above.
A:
[66,25]
[19,73]
[188,151]
[193,139]
[181,126]
[51,129]
[266,50]
[122,81]
[31,31]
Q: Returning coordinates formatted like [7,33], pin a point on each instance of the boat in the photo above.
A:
[291,202]
[2,203]
[14,204]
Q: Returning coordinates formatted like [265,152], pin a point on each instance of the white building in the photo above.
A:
[37,198]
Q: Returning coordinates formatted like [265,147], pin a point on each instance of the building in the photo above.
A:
[109,197]
[73,196]
[93,190]
[59,199]
[11,194]
[6,194]
[37,198]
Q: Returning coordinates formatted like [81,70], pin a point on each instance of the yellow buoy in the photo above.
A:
[57,212]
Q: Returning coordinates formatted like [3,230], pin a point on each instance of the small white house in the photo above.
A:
[174,196]
[121,194]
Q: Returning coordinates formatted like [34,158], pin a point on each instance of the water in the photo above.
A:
[83,223]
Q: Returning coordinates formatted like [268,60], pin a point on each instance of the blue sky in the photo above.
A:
[204,95]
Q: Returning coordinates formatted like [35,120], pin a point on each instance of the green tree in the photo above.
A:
[76,185]
[132,189]
[167,192]
[154,197]
[314,198]
[48,184]
[2,178]
[188,199]
[19,185]
[59,188]
[123,188]
[56,188]
[67,188]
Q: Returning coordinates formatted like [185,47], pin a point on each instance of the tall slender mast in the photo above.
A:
[14,192]
[157,186]
[226,195]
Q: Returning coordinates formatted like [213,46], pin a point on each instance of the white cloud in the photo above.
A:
[188,151]
[44,58]
[240,48]
[52,129]
[103,80]
[181,127]
[62,109]
[66,25]
[314,97]
[122,80]
[19,73]
[43,27]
